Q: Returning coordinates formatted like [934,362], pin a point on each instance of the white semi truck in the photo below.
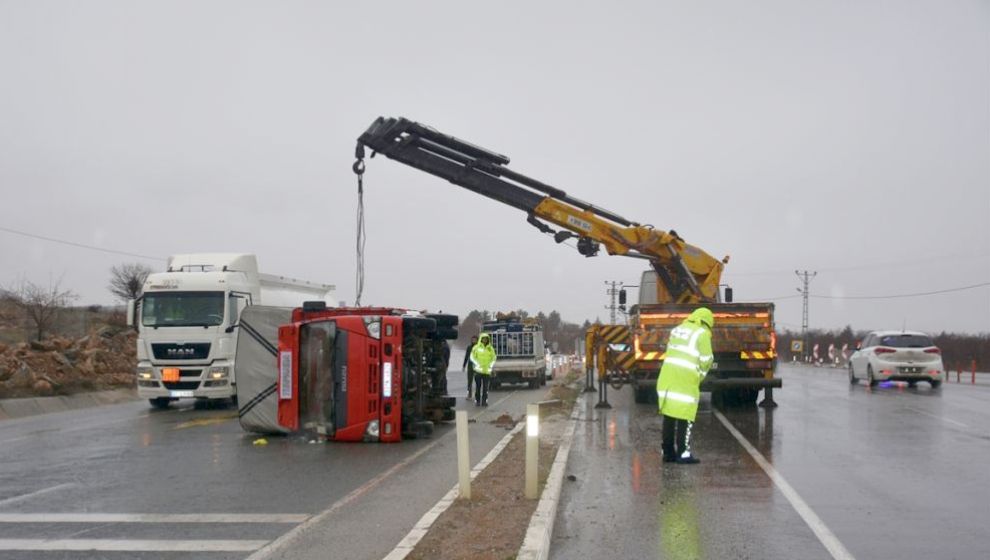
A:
[187,321]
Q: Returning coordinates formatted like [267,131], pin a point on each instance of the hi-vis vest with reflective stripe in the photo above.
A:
[689,356]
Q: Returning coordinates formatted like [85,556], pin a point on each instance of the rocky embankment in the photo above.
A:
[104,359]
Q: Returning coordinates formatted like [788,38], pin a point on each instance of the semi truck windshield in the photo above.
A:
[182,309]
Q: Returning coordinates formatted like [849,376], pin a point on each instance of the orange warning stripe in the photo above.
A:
[757,355]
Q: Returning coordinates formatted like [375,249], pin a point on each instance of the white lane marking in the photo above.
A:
[114,545]
[152,518]
[496,403]
[824,534]
[297,532]
[22,497]
[412,538]
[943,418]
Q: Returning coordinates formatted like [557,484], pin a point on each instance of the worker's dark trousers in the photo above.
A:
[470,372]
[676,437]
[481,388]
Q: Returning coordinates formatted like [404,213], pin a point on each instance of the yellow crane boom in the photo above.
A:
[686,273]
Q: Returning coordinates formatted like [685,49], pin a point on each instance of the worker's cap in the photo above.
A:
[704,316]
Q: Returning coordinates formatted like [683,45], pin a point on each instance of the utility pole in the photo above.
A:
[612,292]
[805,278]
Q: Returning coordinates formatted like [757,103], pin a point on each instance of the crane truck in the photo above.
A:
[684,276]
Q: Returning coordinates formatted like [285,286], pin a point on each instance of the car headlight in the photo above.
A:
[218,372]
[144,372]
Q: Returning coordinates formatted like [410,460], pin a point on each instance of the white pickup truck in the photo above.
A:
[187,319]
[520,353]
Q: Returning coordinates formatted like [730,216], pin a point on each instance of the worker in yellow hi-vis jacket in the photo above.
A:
[687,361]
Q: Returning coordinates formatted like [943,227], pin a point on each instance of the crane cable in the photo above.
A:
[358,169]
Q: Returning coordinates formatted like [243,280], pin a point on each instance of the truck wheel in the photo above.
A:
[644,395]
[444,320]
[419,324]
[936,383]
[444,333]
[639,394]
[533,384]
[160,403]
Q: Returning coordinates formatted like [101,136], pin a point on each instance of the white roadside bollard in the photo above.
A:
[532,450]
[463,454]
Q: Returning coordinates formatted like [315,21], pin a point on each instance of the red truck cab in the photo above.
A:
[363,374]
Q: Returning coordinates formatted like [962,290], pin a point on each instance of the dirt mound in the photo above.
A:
[103,359]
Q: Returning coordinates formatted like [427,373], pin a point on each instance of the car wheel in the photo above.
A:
[160,403]
[936,383]
[912,384]
[852,376]
[869,376]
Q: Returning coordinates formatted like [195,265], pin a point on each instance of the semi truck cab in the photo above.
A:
[187,320]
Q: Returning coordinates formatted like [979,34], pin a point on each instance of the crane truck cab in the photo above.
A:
[743,341]
[187,320]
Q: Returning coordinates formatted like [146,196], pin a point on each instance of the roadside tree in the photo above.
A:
[127,280]
[41,305]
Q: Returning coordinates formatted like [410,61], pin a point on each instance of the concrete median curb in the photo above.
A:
[536,545]
[33,406]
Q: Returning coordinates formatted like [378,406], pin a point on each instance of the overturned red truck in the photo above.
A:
[344,373]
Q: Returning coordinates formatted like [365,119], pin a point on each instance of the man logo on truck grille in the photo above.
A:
[179,352]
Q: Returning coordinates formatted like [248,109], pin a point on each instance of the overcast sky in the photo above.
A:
[852,138]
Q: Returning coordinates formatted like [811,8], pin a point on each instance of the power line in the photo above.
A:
[890,264]
[919,294]
[79,245]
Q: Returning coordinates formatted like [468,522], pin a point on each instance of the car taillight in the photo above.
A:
[883,350]
[933,351]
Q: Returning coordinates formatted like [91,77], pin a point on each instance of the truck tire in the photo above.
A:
[160,403]
[737,397]
[444,333]
[444,320]
[936,383]
[644,394]
[419,324]
[533,383]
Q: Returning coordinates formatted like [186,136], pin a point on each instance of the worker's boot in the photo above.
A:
[689,460]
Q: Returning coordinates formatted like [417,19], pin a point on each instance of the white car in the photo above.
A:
[897,356]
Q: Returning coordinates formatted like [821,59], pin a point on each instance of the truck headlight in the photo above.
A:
[374,326]
[145,373]
[371,433]
[218,372]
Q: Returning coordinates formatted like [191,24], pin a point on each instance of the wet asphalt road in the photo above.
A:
[892,472]
[127,459]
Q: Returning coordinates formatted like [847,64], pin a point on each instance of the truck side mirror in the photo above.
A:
[728,294]
[232,313]
[130,312]
[622,296]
